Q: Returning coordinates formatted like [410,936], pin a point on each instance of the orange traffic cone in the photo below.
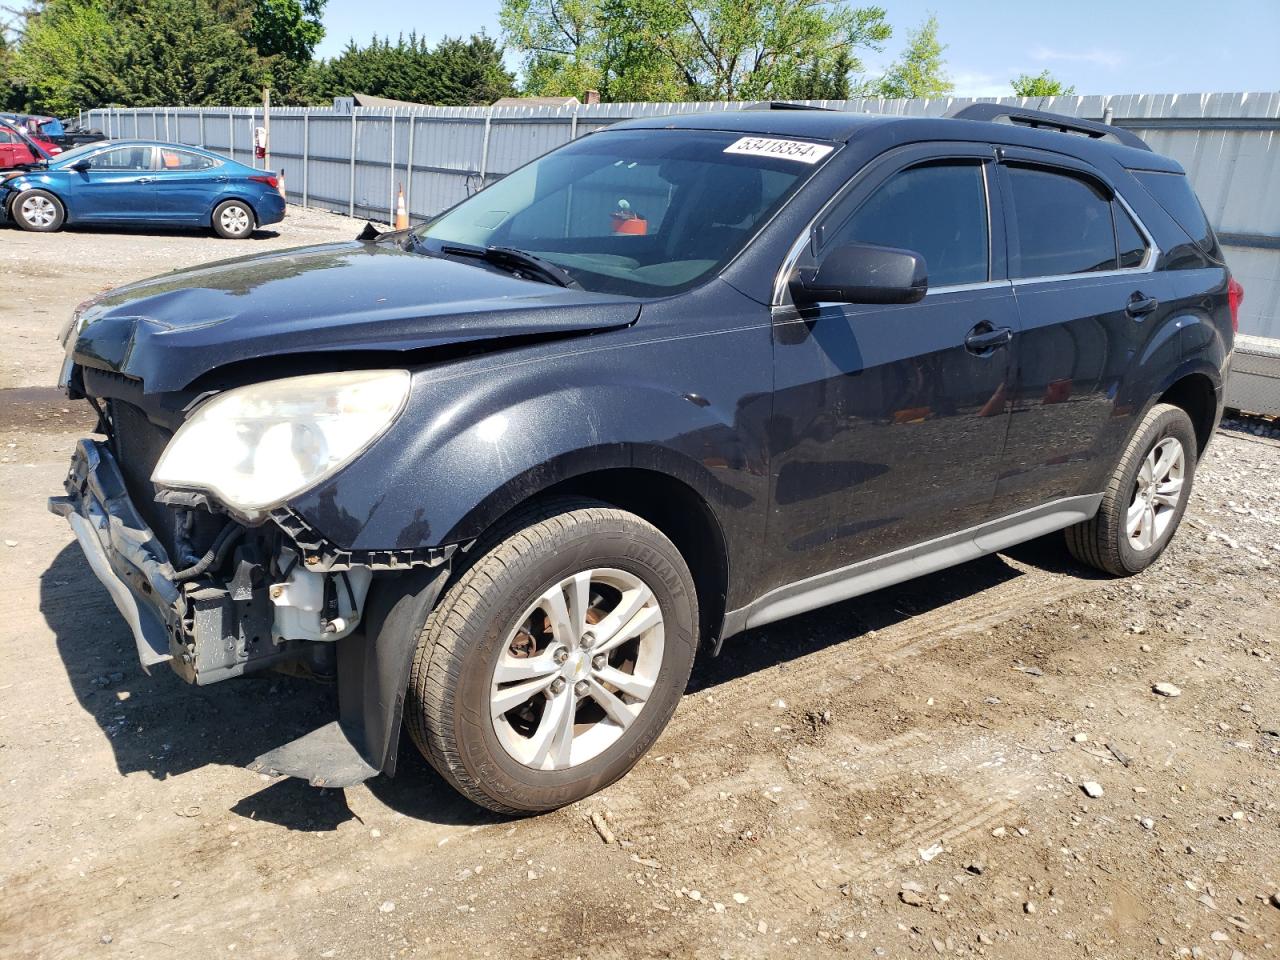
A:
[402,215]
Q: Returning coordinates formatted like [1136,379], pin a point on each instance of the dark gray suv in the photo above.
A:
[501,475]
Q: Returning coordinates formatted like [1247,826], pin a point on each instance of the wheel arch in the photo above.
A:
[668,497]
[44,188]
[683,516]
[1196,394]
[224,198]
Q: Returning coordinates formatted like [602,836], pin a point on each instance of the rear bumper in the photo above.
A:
[122,551]
[270,208]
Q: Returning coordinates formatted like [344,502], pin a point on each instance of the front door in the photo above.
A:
[119,185]
[889,422]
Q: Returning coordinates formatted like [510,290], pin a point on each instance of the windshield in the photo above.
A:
[635,212]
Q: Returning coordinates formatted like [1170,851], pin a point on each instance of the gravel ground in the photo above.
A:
[976,763]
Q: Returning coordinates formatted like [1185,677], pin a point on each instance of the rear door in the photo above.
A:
[890,421]
[187,184]
[1089,304]
[119,185]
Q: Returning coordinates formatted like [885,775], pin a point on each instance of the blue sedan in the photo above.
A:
[143,182]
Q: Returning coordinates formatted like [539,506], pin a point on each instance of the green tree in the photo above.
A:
[919,72]
[178,52]
[456,72]
[69,57]
[1043,84]
[85,53]
[694,50]
[288,28]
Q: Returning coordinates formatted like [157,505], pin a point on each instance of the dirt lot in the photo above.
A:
[895,776]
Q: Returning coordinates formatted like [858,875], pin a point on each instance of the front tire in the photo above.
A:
[551,665]
[234,220]
[1145,499]
[38,211]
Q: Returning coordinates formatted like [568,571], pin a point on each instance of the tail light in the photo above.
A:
[1235,297]
[274,184]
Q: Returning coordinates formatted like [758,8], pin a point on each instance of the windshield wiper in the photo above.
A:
[517,262]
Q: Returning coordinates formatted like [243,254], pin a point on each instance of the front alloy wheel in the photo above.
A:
[578,670]
[38,211]
[552,663]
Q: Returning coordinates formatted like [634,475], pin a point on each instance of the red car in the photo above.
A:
[17,147]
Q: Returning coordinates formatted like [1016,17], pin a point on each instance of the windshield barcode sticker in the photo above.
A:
[786,149]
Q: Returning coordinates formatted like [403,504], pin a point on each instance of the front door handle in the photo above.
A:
[145,180]
[985,338]
[1140,305]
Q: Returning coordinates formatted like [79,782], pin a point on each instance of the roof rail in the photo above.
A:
[781,105]
[1025,116]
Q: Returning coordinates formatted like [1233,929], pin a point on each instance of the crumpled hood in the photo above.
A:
[171,329]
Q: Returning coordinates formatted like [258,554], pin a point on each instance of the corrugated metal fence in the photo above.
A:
[353,161]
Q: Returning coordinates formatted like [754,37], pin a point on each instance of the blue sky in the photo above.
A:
[1174,46]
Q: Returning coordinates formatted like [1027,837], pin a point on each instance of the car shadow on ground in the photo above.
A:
[162,726]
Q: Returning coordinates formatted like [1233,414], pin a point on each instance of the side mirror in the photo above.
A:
[82,166]
[863,273]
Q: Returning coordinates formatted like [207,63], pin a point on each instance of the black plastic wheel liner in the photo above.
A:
[373,675]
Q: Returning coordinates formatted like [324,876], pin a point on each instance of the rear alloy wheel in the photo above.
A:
[1145,499]
[233,220]
[552,663]
[38,211]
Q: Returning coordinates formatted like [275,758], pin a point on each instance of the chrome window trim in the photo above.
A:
[1148,264]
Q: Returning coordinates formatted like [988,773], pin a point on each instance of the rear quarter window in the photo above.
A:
[1173,192]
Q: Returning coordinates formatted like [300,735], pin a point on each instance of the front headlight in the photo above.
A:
[255,447]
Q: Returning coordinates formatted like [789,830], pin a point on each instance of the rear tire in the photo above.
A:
[38,211]
[580,727]
[1145,498]
[234,220]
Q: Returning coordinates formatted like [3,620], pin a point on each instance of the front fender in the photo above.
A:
[443,478]
[479,437]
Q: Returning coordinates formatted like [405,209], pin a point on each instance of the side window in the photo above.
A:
[125,158]
[1129,240]
[182,160]
[1174,193]
[7,136]
[1063,224]
[937,210]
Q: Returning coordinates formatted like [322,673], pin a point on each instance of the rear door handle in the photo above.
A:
[1140,305]
[145,180]
[220,179]
[984,338]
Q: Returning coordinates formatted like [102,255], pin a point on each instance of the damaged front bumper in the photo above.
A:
[207,628]
[223,624]
[122,551]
